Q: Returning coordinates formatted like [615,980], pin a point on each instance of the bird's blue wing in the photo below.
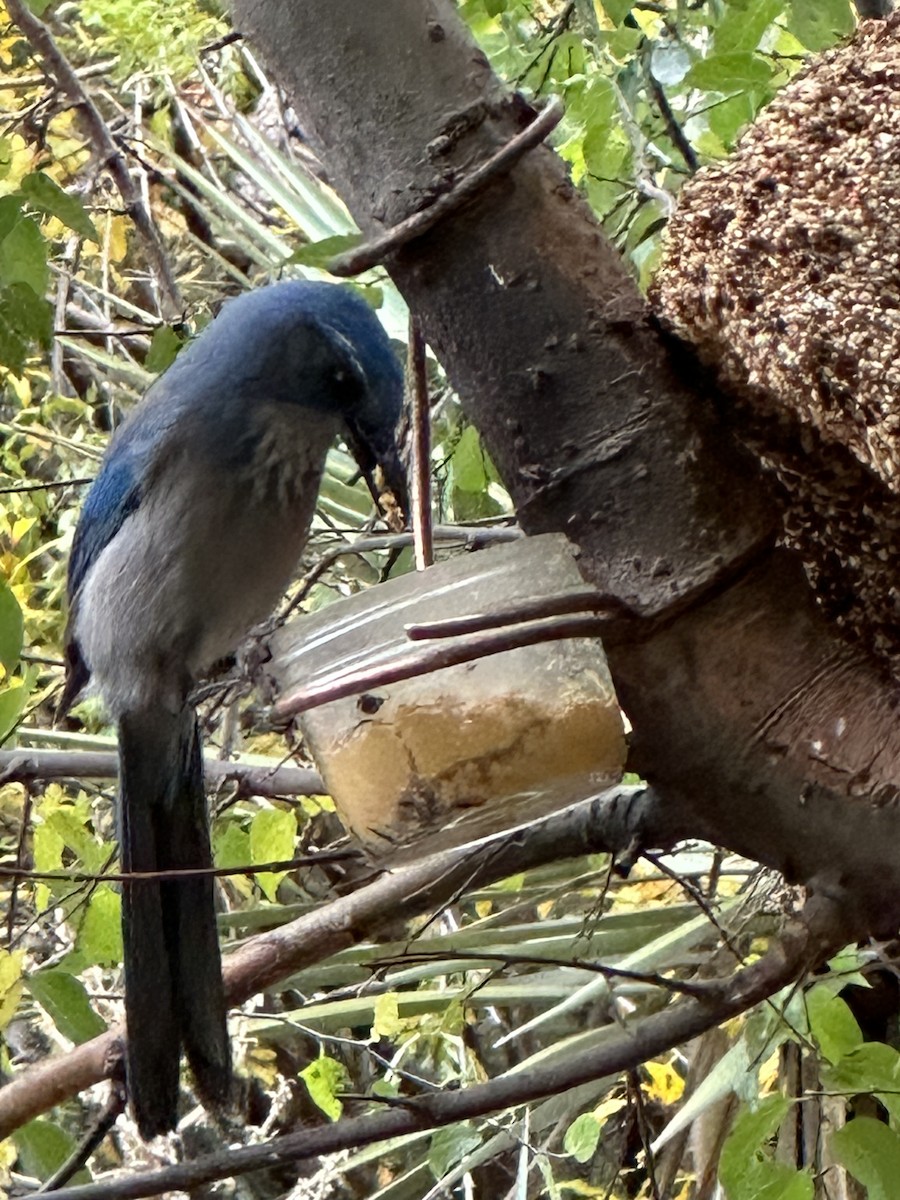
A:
[115,494]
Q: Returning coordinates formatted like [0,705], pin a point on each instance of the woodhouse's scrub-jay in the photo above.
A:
[186,539]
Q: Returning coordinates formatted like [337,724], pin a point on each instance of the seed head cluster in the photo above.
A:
[782,269]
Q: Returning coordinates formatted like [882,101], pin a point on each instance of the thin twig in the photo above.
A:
[24,827]
[92,1140]
[417,373]
[673,128]
[317,859]
[473,536]
[436,658]
[57,65]
[411,958]
[43,487]
[369,255]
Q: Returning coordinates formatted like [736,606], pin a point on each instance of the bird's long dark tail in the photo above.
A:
[173,972]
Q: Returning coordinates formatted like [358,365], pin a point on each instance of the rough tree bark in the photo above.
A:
[762,729]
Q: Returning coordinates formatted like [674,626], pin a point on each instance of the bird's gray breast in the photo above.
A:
[205,557]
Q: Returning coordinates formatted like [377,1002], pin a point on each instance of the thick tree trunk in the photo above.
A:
[750,715]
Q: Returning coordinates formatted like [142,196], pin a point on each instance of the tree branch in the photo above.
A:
[803,947]
[614,820]
[252,779]
[745,703]
[56,64]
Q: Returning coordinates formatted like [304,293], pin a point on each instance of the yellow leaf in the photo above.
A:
[21,527]
[484,908]
[118,238]
[10,984]
[609,1107]
[666,1085]
[261,1062]
[770,1072]
[386,1018]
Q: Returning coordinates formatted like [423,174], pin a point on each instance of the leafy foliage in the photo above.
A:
[650,90]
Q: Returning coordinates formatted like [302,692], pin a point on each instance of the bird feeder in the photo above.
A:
[469,750]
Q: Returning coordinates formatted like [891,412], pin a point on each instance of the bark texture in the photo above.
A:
[759,726]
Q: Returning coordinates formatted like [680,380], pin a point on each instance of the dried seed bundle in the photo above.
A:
[782,269]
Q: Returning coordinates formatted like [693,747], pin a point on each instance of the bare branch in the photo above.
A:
[802,948]
[608,822]
[252,779]
[57,65]
[417,376]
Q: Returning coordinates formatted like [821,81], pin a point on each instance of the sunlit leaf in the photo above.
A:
[11,984]
[582,1137]
[729,72]
[832,1024]
[324,1078]
[272,837]
[100,935]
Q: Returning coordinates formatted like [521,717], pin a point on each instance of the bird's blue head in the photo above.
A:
[315,344]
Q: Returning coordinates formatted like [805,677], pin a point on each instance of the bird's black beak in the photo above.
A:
[379,449]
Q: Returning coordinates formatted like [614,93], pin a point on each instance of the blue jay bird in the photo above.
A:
[187,538]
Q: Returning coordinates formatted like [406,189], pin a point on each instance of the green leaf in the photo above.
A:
[469,470]
[10,213]
[450,1145]
[43,1148]
[23,256]
[100,936]
[25,319]
[735,71]
[872,1067]
[324,1078]
[752,1128]
[231,845]
[726,120]
[272,837]
[818,24]
[319,254]
[164,345]
[64,998]
[832,1024]
[39,7]
[744,24]
[12,627]
[582,1137]
[45,195]
[870,1151]
[12,704]
[617,10]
